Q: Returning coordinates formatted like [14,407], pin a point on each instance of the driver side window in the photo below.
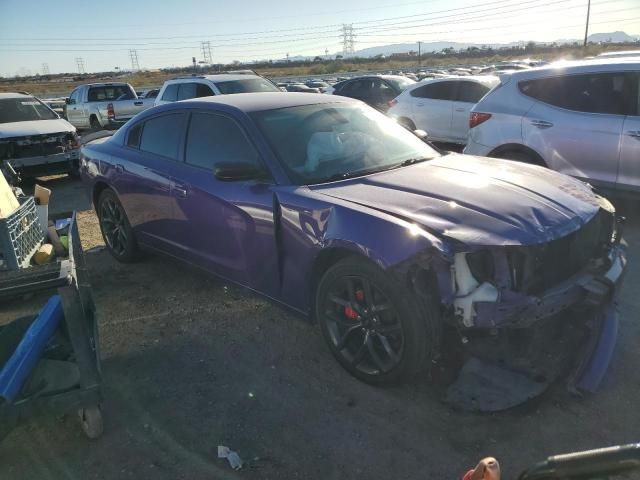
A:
[213,139]
[73,99]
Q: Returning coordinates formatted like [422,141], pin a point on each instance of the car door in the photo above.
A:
[432,108]
[468,93]
[226,226]
[576,123]
[74,109]
[629,171]
[144,179]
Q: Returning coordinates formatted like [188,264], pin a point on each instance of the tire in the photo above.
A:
[94,123]
[117,233]
[389,347]
[519,156]
[407,123]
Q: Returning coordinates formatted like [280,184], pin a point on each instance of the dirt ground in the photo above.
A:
[190,363]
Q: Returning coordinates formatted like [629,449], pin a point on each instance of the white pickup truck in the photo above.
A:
[104,105]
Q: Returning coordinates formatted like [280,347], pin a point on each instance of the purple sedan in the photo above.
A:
[494,276]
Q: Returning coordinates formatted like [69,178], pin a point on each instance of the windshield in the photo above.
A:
[249,85]
[319,143]
[24,109]
[400,83]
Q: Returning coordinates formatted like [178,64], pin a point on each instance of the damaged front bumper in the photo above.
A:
[569,329]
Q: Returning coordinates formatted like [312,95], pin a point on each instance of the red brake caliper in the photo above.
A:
[349,312]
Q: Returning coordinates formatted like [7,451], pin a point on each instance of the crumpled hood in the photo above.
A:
[35,127]
[476,200]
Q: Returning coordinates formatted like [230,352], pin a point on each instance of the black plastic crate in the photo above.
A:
[20,236]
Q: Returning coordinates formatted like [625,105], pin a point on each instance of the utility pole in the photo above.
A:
[206,52]
[586,28]
[80,64]
[45,68]
[287,57]
[326,53]
[419,54]
[135,66]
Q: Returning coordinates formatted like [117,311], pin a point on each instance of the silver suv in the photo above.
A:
[194,86]
[579,118]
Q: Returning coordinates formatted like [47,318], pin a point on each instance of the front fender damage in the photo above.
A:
[509,340]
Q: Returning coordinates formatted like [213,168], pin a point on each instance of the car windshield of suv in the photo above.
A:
[400,84]
[327,142]
[24,109]
[249,85]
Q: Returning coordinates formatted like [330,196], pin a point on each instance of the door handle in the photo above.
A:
[137,103]
[180,190]
[119,168]
[459,109]
[419,104]
[634,133]
[541,123]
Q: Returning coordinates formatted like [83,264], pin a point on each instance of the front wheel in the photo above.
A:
[116,231]
[375,329]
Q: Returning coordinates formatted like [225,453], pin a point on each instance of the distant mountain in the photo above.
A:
[613,37]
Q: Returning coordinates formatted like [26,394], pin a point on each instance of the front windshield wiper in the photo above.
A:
[359,173]
[411,161]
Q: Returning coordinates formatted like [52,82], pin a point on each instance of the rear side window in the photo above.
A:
[249,85]
[163,135]
[186,91]
[470,92]
[170,93]
[611,93]
[436,91]
[213,139]
[203,90]
[133,138]
[110,92]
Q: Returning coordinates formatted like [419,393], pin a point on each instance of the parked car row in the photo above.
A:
[333,209]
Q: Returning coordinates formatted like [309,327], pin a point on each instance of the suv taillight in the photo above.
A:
[476,118]
[392,103]
[111,114]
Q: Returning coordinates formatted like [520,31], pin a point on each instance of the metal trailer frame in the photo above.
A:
[70,278]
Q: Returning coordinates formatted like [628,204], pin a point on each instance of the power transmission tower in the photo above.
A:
[80,64]
[206,52]
[348,41]
[45,68]
[135,66]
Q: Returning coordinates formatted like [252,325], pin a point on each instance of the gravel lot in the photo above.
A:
[190,363]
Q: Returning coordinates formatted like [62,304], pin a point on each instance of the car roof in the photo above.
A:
[473,78]
[14,95]
[578,66]
[222,77]
[255,102]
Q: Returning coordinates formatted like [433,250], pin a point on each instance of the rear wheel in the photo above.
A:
[116,231]
[520,156]
[94,123]
[375,330]
[407,123]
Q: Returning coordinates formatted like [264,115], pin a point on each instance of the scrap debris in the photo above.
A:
[232,457]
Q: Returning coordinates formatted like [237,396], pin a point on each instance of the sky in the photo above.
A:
[35,36]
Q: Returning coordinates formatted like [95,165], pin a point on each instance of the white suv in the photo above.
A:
[580,118]
[441,107]
[193,86]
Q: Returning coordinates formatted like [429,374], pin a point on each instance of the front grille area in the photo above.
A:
[34,146]
[539,267]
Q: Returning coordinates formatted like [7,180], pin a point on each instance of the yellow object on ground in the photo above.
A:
[64,240]
[44,254]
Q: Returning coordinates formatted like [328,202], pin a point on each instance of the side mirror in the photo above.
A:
[67,101]
[421,134]
[230,172]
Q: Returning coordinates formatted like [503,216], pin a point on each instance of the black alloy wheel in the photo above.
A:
[116,230]
[377,332]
